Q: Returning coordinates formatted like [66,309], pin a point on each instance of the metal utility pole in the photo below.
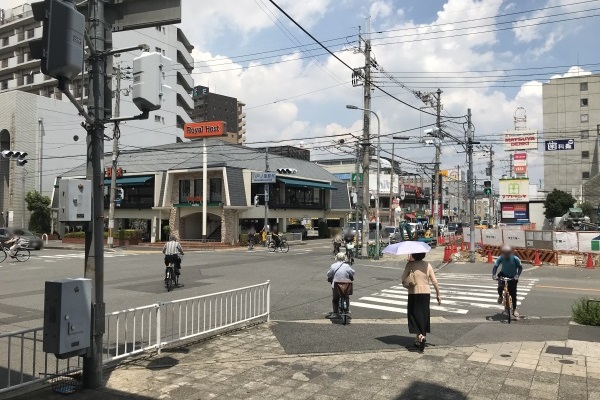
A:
[436,177]
[492,211]
[366,142]
[266,190]
[510,166]
[115,156]
[41,152]
[94,238]
[392,222]
[471,188]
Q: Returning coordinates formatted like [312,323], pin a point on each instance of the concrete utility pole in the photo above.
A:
[471,188]
[266,190]
[458,199]
[358,196]
[94,238]
[392,222]
[115,156]
[491,205]
[366,142]
[436,178]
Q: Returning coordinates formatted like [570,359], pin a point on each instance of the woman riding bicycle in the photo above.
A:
[511,268]
[15,243]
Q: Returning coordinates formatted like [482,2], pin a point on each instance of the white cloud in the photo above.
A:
[380,9]
[573,71]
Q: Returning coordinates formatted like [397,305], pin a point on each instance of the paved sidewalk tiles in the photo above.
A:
[251,364]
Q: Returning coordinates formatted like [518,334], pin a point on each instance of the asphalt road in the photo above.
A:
[301,295]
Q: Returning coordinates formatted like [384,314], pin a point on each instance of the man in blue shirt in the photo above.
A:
[511,268]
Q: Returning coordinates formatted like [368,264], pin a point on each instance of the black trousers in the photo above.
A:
[175,259]
[512,289]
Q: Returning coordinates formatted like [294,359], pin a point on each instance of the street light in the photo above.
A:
[352,107]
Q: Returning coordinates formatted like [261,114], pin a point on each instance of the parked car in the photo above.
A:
[34,242]
[298,228]
[393,234]
[455,228]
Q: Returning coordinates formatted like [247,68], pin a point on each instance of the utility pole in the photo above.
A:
[266,191]
[356,204]
[510,165]
[115,156]
[392,223]
[491,205]
[366,141]
[458,199]
[436,177]
[471,188]
[97,28]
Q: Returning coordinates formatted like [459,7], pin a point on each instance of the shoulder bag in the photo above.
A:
[410,280]
[330,280]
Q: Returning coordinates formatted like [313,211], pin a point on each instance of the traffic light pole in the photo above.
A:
[94,238]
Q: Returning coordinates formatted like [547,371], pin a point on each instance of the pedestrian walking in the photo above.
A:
[416,278]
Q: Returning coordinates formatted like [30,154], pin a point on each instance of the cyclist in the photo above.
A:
[171,250]
[276,237]
[511,268]
[339,271]
[337,243]
[251,236]
[15,244]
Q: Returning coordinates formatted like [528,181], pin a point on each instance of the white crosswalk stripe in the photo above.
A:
[58,257]
[460,293]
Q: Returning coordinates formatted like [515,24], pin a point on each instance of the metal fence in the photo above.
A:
[136,330]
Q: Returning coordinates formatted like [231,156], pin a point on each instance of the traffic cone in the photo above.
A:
[590,261]
[462,246]
[537,261]
[446,254]
[489,260]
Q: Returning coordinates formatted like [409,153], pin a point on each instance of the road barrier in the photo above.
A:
[135,331]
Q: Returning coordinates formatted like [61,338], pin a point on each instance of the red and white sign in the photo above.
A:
[520,140]
[520,169]
[520,156]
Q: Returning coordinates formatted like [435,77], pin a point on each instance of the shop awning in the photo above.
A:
[306,184]
[130,180]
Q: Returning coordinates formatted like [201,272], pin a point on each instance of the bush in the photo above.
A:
[244,239]
[75,235]
[127,234]
[586,313]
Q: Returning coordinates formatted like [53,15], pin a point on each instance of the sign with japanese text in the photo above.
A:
[520,140]
[263,177]
[514,190]
[560,144]
[520,169]
[520,156]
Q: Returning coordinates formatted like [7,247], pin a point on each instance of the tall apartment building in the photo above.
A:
[571,131]
[217,107]
[44,123]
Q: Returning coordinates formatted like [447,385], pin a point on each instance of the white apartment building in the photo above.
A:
[43,122]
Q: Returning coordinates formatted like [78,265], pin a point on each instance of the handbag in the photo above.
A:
[410,280]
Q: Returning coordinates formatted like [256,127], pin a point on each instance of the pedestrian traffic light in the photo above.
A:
[487,188]
[61,45]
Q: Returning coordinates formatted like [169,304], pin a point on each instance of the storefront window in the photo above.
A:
[184,191]
[216,185]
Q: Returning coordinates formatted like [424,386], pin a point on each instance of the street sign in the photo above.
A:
[263,177]
[360,178]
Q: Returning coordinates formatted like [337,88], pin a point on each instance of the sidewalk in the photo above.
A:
[251,364]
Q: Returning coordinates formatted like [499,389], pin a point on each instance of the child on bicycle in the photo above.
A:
[511,268]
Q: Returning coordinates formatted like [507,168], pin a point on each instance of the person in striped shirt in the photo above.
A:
[171,250]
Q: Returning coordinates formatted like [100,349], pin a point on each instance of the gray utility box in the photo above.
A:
[74,200]
[67,317]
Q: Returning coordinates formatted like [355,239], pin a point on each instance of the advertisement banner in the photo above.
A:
[589,242]
[560,145]
[520,140]
[492,237]
[520,169]
[467,235]
[519,157]
[199,130]
[514,190]
[514,237]
[565,241]
[384,184]
[521,211]
[508,210]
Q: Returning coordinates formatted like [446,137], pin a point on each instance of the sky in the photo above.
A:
[488,55]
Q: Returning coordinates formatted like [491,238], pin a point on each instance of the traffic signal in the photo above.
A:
[18,155]
[61,45]
[487,188]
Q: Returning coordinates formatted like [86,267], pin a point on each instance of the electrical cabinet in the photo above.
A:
[67,317]
[74,200]
[149,80]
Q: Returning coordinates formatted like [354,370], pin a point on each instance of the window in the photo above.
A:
[4,84]
[585,154]
[585,134]
[158,28]
[583,86]
[584,102]
[28,79]
[584,118]
[585,175]
[158,50]
[215,190]
[4,63]
[5,41]
[184,191]
[157,118]
[198,187]
[30,33]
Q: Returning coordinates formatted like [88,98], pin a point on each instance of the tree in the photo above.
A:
[41,215]
[588,210]
[558,203]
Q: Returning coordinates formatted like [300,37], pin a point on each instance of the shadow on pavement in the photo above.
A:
[428,390]
[405,341]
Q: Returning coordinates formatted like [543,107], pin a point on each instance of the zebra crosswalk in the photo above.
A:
[58,257]
[460,293]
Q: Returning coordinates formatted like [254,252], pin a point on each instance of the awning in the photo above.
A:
[130,181]
[306,184]
[411,216]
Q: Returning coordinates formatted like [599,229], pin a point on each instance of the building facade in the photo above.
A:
[217,107]
[163,187]
[571,131]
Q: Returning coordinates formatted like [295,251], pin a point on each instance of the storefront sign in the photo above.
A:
[520,169]
[520,140]
[521,211]
[514,190]
[263,177]
[508,211]
[344,177]
[520,157]
[560,144]
[200,130]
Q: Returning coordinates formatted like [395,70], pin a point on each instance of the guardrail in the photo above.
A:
[24,363]
[135,331]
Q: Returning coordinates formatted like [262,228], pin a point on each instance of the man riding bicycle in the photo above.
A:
[15,243]
[171,250]
[276,237]
[511,268]
[339,271]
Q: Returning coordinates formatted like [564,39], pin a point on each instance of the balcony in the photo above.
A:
[184,79]
[183,115]
[184,57]
[184,98]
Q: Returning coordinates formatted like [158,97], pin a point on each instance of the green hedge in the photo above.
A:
[586,313]
[127,234]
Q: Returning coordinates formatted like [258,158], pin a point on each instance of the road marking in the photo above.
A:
[567,288]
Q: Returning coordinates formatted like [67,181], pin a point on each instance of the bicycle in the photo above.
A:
[171,277]
[21,254]
[350,252]
[344,288]
[250,243]
[506,299]
[283,246]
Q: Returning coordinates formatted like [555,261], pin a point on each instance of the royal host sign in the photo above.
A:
[200,130]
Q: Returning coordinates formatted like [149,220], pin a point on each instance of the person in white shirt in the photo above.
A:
[171,250]
[339,271]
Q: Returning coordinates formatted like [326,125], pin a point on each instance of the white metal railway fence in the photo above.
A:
[135,331]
